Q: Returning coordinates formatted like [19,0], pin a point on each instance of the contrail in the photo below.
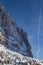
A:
[38,51]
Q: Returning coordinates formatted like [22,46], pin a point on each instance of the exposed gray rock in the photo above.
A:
[13,37]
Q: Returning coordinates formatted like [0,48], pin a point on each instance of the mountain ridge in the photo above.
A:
[13,37]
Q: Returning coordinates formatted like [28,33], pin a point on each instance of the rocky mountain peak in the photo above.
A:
[13,37]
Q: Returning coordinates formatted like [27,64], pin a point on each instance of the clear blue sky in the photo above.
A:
[26,13]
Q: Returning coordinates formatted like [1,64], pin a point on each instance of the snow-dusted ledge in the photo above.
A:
[8,57]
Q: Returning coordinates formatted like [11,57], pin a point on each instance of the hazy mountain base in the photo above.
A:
[8,57]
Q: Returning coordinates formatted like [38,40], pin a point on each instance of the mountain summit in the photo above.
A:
[11,36]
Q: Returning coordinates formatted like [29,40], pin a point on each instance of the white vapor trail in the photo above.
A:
[38,51]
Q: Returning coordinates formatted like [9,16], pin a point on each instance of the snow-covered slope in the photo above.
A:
[8,57]
[13,37]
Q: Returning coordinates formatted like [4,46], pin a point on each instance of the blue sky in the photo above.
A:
[26,13]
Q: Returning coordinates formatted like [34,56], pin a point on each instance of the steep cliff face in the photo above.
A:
[13,37]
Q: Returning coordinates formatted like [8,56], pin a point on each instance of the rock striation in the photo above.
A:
[13,37]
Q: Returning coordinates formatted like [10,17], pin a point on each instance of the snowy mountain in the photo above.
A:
[13,37]
[14,46]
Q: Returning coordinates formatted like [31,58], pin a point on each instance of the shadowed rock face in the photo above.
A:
[13,37]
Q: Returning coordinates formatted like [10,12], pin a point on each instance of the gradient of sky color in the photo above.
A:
[26,13]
